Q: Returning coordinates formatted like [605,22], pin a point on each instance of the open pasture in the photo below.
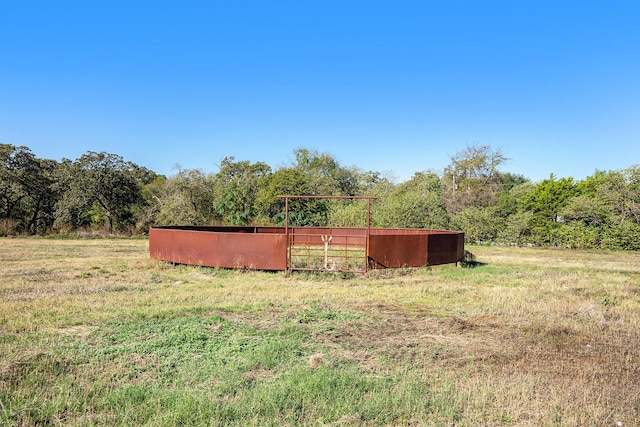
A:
[94,332]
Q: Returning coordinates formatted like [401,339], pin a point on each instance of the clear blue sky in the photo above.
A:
[396,86]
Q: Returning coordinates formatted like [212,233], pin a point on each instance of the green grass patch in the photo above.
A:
[202,369]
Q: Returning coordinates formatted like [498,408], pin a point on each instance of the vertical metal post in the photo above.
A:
[286,233]
[366,255]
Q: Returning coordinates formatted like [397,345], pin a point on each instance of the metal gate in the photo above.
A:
[328,248]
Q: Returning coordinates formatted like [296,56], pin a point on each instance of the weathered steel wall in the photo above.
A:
[394,248]
[444,247]
[235,247]
[397,250]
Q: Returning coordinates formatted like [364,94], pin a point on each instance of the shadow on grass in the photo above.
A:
[470,261]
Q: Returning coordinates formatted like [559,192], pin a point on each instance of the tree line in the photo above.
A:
[103,193]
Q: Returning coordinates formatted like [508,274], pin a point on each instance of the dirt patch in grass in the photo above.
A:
[569,366]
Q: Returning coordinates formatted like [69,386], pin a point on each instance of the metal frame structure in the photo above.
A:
[351,240]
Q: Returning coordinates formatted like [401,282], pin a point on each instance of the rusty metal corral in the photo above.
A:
[261,248]
[273,248]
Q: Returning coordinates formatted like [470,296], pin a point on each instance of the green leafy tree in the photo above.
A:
[518,221]
[311,174]
[353,212]
[27,195]
[511,187]
[621,192]
[517,229]
[146,214]
[42,197]
[235,204]
[549,197]
[546,200]
[416,203]
[237,185]
[478,224]
[325,176]
[12,171]
[98,188]
[472,178]
[349,213]
[186,199]
[290,181]
[604,213]
[588,210]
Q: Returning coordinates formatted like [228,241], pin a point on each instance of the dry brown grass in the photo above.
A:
[530,337]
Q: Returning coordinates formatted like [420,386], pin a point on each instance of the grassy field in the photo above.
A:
[93,332]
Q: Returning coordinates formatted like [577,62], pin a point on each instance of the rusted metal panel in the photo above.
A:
[237,249]
[445,247]
[396,250]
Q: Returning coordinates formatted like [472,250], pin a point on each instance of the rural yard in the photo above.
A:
[94,332]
